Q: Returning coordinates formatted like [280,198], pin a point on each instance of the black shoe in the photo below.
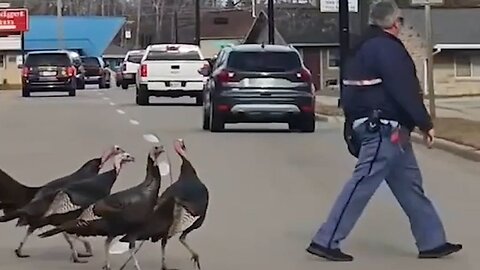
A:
[328,253]
[441,251]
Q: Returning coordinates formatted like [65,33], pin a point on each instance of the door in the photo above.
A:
[311,57]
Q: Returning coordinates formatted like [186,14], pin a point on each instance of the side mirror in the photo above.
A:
[107,65]
[205,71]
[20,66]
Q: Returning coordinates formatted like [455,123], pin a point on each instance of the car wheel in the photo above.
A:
[102,84]
[107,85]
[25,92]
[307,124]
[72,92]
[199,100]
[118,84]
[142,97]
[216,122]
[124,86]
[206,118]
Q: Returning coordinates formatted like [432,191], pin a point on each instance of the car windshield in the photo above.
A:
[135,58]
[48,59]
[264,61]
[173,55]
[90,61]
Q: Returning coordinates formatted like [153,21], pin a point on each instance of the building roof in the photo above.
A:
[90,35]
[115,51]
[305,25]
[450,26]
[225,24]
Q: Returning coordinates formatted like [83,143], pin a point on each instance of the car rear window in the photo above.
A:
[91,61]
[264,61]
[173,55]
[48,59]
[135,58]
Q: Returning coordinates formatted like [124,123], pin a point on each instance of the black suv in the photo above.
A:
[258,83]
[49,71]
[96,71]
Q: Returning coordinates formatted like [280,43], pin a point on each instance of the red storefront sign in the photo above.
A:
[14,20]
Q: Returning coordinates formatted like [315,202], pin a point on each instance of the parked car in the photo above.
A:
[130,65]
[170,70]
[49,71]
[77,63]
[259,84]
[96,71]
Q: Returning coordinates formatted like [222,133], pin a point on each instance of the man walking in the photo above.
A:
[382,105]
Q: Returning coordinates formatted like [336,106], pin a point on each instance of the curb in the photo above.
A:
[460,150]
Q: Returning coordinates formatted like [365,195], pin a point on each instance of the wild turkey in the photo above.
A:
[67,203]
[25,203]
[181,208]
[118,213]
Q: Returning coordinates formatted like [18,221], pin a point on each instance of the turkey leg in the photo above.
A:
[108,243]
[164,244]
[132,254]
[74,255]
[18,251]
[195,258]
[88,247]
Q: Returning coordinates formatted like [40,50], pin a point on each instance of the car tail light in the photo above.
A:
[304,75]
[71,71]
[223,108]
[25,71]
[226,76]
[143,70]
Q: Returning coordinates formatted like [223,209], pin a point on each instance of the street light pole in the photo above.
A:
[344,39]
[429,47]
[60,24]
[197,23]
[271,22]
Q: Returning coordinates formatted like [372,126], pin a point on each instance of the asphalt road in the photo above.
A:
[270,190]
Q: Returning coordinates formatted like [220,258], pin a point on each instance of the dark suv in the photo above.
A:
[96,71]
[49,71]
[258,84]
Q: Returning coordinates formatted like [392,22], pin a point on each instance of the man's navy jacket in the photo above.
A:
[380,55]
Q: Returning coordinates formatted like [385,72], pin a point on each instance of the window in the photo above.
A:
[333,57]
[135,58]
[467,66]
[91,61]
[264,61]
[175,56]
[12,59]
[2,61]
[48,59]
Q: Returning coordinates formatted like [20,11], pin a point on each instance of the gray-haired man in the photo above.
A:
[382,106]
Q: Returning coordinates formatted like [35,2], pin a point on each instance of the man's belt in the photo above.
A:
[362,82]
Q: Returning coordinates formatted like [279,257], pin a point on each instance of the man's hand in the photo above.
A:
[429,137]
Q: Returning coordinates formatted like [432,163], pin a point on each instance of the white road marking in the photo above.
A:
[112,104]
[106,98]
[134,122]
[151,138]
[120,111]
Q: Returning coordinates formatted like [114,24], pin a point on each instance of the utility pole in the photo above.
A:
[429,47]
[139,16]
[271,22]
[197,23]
[175,23]
[344,38]
[60,24]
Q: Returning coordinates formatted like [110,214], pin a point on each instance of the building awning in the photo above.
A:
[457,46]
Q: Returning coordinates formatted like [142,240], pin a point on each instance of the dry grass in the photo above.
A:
[458,130]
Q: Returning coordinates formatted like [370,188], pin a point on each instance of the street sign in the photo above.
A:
[14,20]
[425,2]
[332,5]
[4,5]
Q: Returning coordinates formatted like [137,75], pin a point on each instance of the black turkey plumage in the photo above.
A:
[29,203]
[70,202]
[119,213]
[181,208]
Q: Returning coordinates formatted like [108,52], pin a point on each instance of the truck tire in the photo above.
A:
[25,91]
[124,86]
[307,124]
[142,97]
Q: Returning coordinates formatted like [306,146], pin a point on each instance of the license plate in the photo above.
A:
[48,73]
[175,84]
[128,76]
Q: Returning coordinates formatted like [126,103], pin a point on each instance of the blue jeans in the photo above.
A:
[381,159]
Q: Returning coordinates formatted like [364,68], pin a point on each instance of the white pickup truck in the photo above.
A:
[170,70]
[130,65]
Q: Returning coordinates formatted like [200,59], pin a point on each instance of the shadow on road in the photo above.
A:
[176,104]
